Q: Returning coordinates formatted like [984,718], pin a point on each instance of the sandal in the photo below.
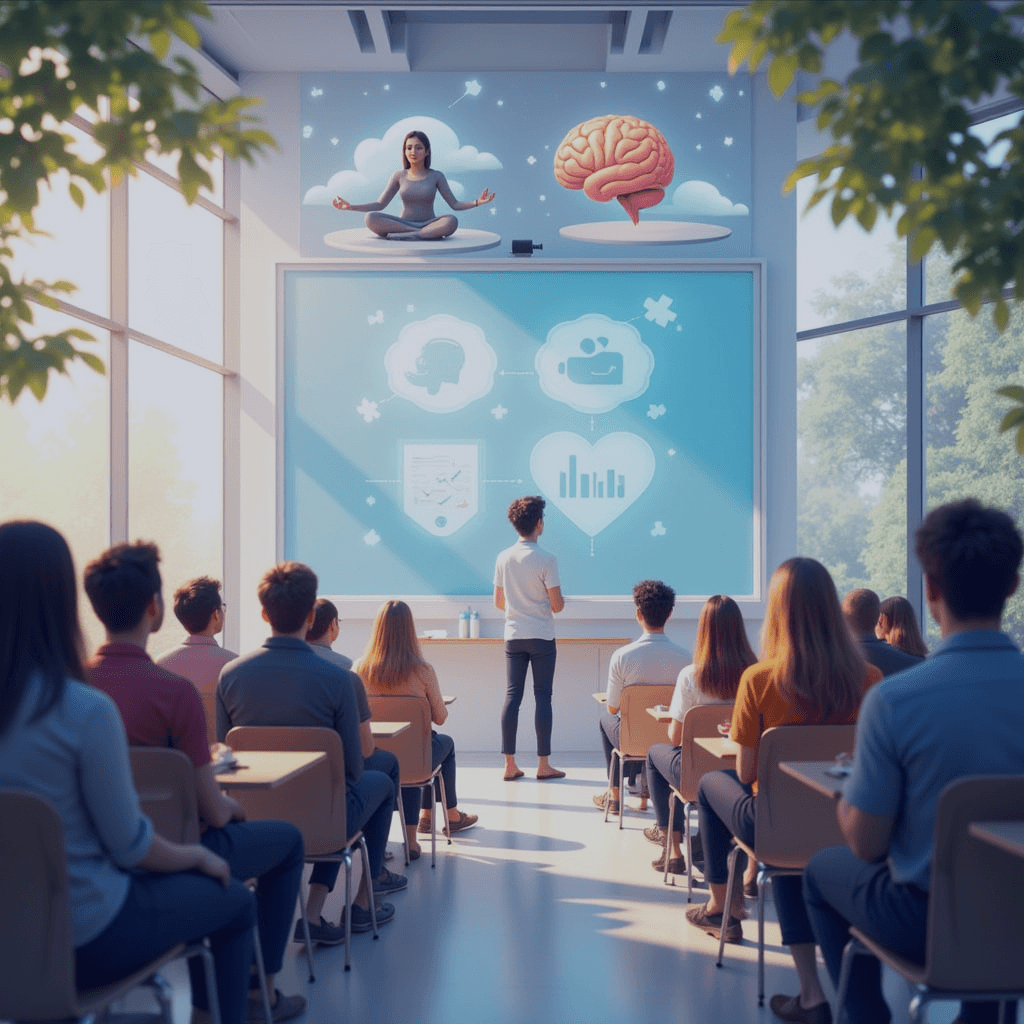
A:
[517,774]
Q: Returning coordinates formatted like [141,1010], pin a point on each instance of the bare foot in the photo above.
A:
[550,773]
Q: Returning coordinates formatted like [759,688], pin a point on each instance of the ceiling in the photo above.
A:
[324,35]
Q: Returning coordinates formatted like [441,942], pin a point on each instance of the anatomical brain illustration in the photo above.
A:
[616,156]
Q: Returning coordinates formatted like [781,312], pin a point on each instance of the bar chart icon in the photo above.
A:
[573,484]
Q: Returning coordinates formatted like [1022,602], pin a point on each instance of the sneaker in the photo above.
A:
[462,822]
[283,1008]
[387,881]
[712,924]
[361,918]
[655,834]
[788,1008]
[423,828]
[604,802]
[323,934]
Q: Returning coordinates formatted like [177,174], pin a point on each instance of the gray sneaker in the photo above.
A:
[323,934]
[361,918]
[388,881]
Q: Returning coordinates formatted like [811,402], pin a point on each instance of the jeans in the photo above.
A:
[386,762]
[272,852]
[540,654]
[726,809]
[840,889]
[163,910]
[369,804]
[442,752]
[663,766]
[610,729]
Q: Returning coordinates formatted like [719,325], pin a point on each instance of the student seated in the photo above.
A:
[284,683]
[897,626]
[861,610]
[393,665]
[132,894]
[720,657]
[811,672]
[160,709]
[651,659]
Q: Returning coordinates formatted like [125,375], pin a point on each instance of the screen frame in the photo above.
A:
[578,607]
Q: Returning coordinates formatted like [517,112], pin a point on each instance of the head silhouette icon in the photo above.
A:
[440,362]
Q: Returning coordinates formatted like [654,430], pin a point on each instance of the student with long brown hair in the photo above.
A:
[720,657]
[897,626]
[393,665]
[811,672]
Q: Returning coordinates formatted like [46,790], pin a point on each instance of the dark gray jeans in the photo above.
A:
[540,656]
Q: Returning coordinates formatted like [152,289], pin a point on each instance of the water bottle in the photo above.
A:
[474,625]
[463,625]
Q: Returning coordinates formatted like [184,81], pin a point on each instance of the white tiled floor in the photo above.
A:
[542,914]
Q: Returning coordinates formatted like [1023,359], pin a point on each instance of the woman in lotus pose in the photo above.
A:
[133,895]
[416,185]
[393,665]
[897,626]
[811,672]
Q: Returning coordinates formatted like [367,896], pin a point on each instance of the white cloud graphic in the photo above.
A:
[701,198]
[377,159]
[593,364]
[441,364]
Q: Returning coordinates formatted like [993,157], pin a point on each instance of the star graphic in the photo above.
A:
[368,410]
[371,500]
[499,412]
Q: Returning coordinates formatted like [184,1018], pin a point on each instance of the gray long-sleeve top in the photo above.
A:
[417,195]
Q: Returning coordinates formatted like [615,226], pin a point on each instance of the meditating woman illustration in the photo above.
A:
[416,186]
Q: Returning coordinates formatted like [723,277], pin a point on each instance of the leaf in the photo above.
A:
[1012,391]
[77,195]
[1001,315]
[781,72]
[161,43]
[1014,418]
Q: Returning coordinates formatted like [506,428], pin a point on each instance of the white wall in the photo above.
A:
[270,235]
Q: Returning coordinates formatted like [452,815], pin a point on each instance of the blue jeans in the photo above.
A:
[520,654]
[386,762]
[663,764]
[369,804]
[163,910]
[442,752]
[611,726]
[272,852]
[840,889]
[726,809]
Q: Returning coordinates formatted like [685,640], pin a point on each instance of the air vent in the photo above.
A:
[361,27]
[655,30]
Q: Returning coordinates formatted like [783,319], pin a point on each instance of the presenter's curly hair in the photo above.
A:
[121,582]
[655,601]
[525,513]
[422,136]
[393,652]
[287,593]
[195,602]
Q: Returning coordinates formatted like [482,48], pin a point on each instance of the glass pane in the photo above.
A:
[938,284]
[175,492]
[175,253]
[54,455]
[76,245]
[966,360]
[168,163]
[845,273]
[851,457]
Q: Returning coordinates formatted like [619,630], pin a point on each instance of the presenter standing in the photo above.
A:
[527,590]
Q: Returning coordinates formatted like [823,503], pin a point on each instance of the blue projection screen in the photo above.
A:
[418,402]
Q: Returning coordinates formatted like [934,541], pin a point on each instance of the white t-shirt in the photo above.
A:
[652,659]
[526,573]
[688,695]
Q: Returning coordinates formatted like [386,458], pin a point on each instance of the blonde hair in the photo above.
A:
[393,652]
[722,650]
[816,663]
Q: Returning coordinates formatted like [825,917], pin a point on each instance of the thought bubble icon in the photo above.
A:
[616,156]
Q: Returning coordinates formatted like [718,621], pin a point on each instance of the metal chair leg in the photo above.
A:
[687,811]
[305,934]
[433,824]
[164,997]
[853,948]
[762,878]
[733,857]
[257,948]
[444,805]
[668,837]
[347,859]
[365,854]
[213,1005]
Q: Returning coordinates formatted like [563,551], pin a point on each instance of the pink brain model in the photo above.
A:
[616,157]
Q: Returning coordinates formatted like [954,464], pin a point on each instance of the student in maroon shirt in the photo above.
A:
[160,709]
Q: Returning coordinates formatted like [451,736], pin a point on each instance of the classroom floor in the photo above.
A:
[541,914]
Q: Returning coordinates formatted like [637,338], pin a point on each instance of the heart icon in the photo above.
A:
[592,484]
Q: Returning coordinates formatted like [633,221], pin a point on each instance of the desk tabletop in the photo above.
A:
[449,698]
[601,698]
[388,730]
[813,774]
[721,746]
[266,769]
[1006,835]
[658,715]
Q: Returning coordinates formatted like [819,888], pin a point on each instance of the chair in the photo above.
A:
[412,748]
[792,822]
[699,721]
[37,960]
[314,802]
[210,708]
[973,947]
[638,731]
[165,780]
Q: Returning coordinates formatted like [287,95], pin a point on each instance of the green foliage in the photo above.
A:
[62,57]
[902,112]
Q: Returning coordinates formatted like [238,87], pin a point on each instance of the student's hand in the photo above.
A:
[216,867]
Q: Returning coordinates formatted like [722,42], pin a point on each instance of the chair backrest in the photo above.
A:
[412,747]
[975,941]
[165,780]
[638,731]
[793,822]
[36,959]
[314,801]
[696,762]
[210,707]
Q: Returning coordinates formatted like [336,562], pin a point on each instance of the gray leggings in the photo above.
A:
[540,655]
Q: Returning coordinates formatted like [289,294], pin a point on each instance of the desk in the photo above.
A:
[448,699]
[601,698]
[718,746]
[267,769]
[388,730]
[1006,835]
[658,715]
[812,773]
